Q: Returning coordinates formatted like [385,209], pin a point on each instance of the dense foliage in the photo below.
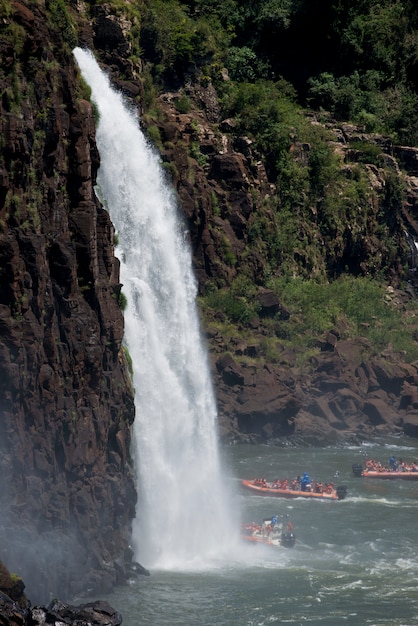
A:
[358,60]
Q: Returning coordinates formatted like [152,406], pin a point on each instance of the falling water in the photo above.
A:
[183,519]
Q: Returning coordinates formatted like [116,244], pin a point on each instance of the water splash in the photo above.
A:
[184,519]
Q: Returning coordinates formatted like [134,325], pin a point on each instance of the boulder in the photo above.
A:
[378,411]
[410,424]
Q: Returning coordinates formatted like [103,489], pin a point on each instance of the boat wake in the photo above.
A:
[378,501]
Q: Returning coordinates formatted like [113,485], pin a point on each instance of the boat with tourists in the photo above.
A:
[297,488]
[395,469]
[272,531]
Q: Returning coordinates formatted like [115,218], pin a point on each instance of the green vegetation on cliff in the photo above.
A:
[295,68]
[358,61]
[359,64]
[327,237]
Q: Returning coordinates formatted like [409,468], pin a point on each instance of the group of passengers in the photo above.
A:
[394,466]
[303,483]
[269,527]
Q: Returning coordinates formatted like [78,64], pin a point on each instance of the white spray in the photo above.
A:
[183,518]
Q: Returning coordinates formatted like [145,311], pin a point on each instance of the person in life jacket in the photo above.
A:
[305,481]
[274,521]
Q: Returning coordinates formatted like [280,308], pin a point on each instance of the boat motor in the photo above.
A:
[357,469]
[341,492]
[288,539]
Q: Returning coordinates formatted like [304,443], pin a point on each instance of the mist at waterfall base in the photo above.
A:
[181,484]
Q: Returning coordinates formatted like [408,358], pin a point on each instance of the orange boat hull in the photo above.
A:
[257,539]
[391,475]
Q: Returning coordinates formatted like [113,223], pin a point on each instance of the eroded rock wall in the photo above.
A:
[67,494]
[343,392]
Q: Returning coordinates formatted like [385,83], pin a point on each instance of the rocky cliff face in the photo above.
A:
[67,494]
[341,394]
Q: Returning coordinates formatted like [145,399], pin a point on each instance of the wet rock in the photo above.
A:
[97,613]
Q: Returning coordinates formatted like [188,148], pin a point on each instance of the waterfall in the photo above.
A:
[184,517]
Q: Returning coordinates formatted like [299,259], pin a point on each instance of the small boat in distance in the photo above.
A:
[270,532]
[284,489]
[395,470]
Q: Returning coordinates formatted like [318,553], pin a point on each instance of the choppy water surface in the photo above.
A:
[355,561]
